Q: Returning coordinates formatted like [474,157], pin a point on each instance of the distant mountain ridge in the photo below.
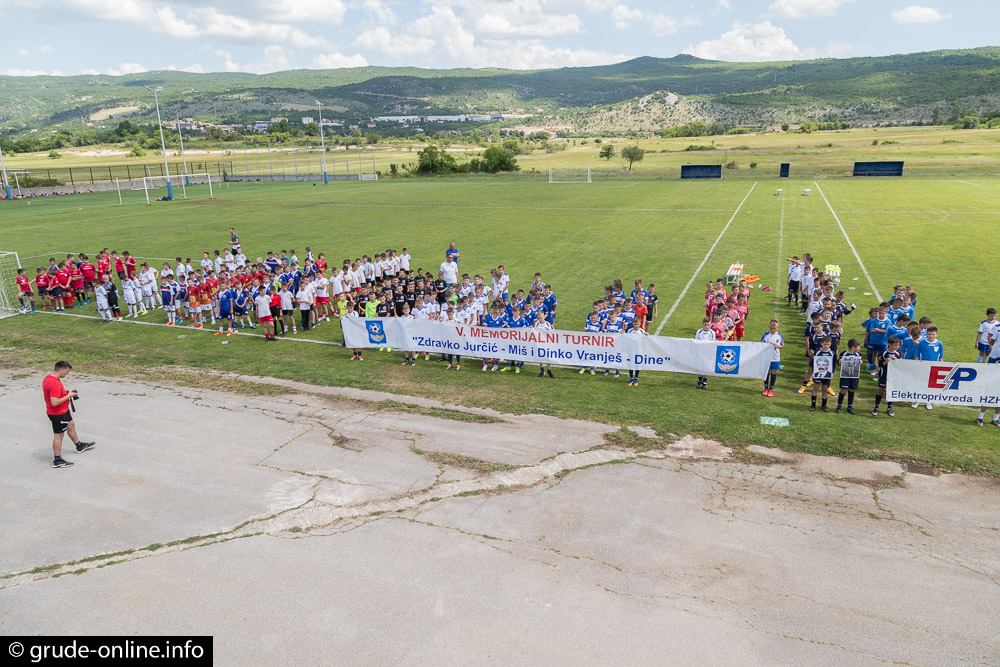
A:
[885,87]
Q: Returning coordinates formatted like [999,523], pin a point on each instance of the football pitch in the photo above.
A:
[934,234]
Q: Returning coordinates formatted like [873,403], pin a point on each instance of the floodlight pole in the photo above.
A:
[322,143]
[163,143]
[6,183]
[177,115]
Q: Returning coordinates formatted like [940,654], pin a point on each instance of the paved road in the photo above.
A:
[310,529]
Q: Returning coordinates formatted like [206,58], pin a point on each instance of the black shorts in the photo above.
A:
[61,422]
[793,285]
[28,294]
[121,275]
[56,292]
[275,312]
[850,384]
[287,312]
[825,383]
[882,380]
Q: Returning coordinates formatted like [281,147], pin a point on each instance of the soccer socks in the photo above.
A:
[850,400]
[840,400]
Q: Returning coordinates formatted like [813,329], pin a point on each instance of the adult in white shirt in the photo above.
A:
[230,261]
[241,259]
[449,268]
[404,260]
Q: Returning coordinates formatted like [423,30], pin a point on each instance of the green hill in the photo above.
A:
[878,88]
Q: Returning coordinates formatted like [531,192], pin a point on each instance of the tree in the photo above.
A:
[312,130]
[936,116]
[784,127]
[497,159]
[373,138]
[431,161]
[280,126]
[607,152]
[632,154]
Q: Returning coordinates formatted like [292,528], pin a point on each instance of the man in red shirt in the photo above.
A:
[57,404]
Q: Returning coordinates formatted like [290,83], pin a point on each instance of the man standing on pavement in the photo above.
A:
[57,404]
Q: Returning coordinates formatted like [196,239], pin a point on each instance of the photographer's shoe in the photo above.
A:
[60,462]
[84,446]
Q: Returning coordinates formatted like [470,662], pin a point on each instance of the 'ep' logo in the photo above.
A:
[948,377]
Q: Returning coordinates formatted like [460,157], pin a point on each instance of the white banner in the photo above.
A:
[942,382]
[566,348]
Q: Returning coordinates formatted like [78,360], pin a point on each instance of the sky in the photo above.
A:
[128,36]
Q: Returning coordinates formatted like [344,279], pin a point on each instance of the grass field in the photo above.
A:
[929,152]
[933,233]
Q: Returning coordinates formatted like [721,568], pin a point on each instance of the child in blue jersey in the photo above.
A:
[989,331]
[167,298]
[593,325]
[872,312]
[241,309]
[909,343]
[495,319]
[896,309]
[777,341]
[550,303]
[929,349]
[515,321]
[226,298]
[877,329]
[614,324]
[627,315]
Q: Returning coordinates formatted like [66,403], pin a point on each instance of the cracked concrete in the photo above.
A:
[569,549]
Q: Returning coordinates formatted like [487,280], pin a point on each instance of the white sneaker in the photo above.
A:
[916,404]
[929,406]
[484,368]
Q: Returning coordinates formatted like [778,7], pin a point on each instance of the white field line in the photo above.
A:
[972,184]
[187,328]
[781,261]
[848,239]
[694,276]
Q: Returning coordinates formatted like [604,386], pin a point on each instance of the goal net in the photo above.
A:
[569,174]
[183,186]
[9,305]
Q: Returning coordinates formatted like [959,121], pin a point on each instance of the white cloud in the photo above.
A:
[339,60]
[623,15]
[275,59]
[231,65]
[14,71]
[193,69]
[660,24]
[380,40]
[723,4]
[22,52]
[89,70]
[379,11]
[804,9]
[750,43]
[126,68]
[44,48]
[168,23]
[919,14]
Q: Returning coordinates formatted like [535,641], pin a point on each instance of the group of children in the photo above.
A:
[892,331]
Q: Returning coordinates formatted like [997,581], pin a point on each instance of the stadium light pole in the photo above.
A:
[180,134]
[322,143]
[163,143]
[6,183]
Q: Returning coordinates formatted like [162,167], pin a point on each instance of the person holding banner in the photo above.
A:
[704,333]
[850,375]
[823,362]
[929,349]
[543,367]
[892,352]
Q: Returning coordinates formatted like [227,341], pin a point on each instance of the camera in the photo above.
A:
[76,395]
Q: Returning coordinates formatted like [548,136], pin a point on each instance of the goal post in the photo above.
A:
[185,181]
[9,292]
[569,175]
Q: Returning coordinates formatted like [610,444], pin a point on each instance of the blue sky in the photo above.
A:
[127,36]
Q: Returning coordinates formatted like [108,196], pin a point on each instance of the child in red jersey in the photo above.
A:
[76,282]
[42,283]
[89,272]
[743,310]
[24,291]
[719,325]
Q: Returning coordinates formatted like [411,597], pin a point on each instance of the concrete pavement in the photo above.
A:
[307,528]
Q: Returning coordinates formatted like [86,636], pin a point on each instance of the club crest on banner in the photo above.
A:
[727,360]
[375,333]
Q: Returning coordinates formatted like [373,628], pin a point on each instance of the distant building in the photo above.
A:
[307,119]
[397,119]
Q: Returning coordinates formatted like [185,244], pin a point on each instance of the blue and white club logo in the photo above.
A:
[727,360]
[375,333]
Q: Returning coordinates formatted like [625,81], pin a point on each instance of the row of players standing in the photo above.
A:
[892,332]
